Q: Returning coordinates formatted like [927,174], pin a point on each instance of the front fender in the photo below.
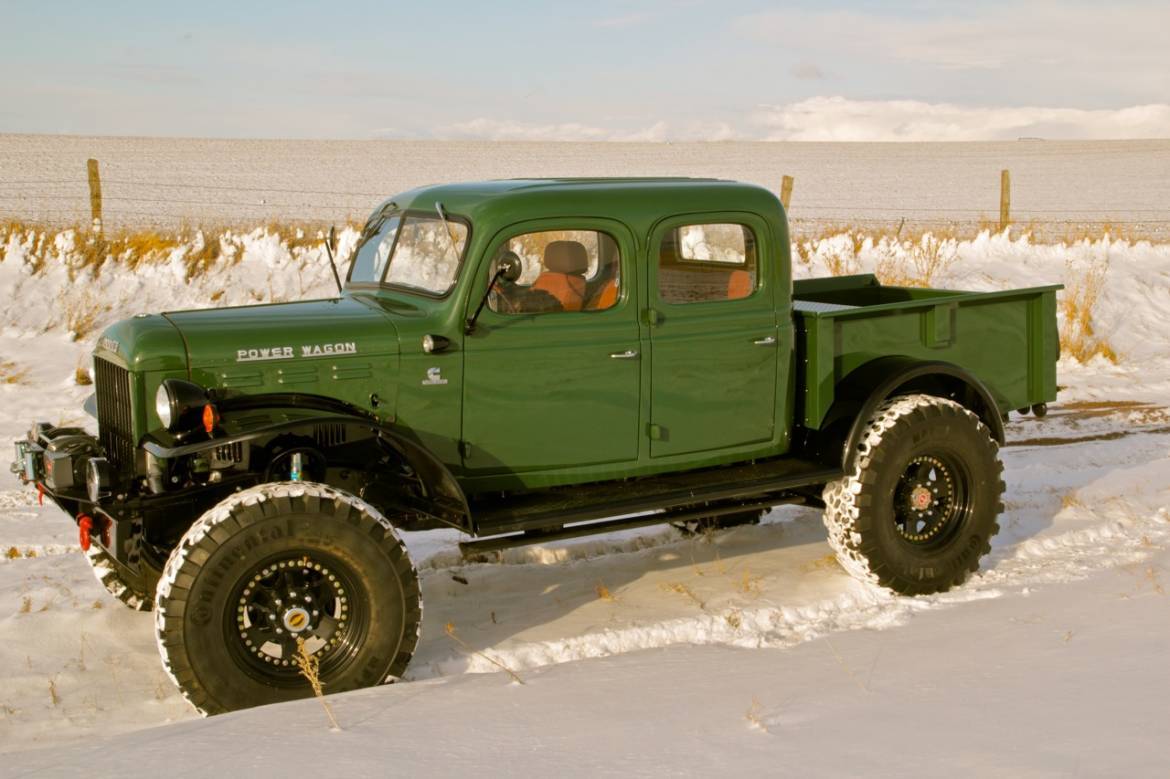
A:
[451,503]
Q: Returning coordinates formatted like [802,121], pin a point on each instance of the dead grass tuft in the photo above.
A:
[1077,301]
[11,373]
[755,716]
[603,592]
[449,629]
[683,590]
[310,668]
[81,376]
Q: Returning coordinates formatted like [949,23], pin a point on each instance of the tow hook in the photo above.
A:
[84,527]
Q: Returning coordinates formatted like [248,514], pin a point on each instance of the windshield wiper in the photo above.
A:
[450,233]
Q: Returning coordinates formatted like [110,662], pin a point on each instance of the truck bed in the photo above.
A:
[1008,340]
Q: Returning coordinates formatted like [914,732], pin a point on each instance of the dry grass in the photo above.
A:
[682,589]
[83,317]
[603,592]
[449,629]
[755,716]
[81,376]
[748,584]
[310,668]
[1081,293]
[11,373]
[53,696]
[202,246]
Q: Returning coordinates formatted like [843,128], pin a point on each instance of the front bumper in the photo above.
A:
[67,465]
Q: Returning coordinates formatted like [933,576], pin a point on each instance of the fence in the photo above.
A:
[139,202]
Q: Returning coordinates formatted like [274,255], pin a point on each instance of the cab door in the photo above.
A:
[713,335]
[552,377]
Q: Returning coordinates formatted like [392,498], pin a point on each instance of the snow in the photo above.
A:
[644,652]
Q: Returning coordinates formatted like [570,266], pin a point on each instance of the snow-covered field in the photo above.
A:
[646,653]
[171,181]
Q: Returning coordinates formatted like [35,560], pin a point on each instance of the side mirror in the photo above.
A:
[510,267]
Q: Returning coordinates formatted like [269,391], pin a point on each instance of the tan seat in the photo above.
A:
[739,285]
[604,297]
[565,263]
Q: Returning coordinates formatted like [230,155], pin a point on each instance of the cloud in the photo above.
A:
[841,119]
[996,36]
[807,71]
[619,22]
[483,128]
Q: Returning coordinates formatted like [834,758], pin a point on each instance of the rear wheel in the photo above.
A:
[277,570]
[919,509]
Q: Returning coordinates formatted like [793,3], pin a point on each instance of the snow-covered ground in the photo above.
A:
[648,653]
[172,181]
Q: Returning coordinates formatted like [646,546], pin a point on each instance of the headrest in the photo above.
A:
[566,257]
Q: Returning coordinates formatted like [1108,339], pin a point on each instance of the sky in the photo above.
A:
[659,70]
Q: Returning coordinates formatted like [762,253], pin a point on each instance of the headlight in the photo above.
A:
[162,406]
[179,404]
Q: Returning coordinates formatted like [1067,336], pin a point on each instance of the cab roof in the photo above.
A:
[636,201]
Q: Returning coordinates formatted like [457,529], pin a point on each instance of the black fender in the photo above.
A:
[858,396]
[452,506]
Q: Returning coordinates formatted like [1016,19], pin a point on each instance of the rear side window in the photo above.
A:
[700,263]
[563,271]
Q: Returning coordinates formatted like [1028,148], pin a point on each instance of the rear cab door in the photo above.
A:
[716,346]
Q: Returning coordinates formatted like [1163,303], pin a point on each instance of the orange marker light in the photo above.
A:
[210,418]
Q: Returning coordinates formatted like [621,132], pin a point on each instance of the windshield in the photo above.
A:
[410,251]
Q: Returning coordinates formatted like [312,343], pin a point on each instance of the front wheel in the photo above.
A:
[920,506]
[276,570]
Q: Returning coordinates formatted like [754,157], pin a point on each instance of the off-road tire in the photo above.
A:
[200,625]
[865,531]
[105,570]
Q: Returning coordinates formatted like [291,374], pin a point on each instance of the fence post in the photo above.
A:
[95,194]
[786,191]
[1005,200]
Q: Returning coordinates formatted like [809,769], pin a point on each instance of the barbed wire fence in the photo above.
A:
[138,203]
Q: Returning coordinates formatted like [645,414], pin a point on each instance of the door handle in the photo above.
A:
[769,341]
[628,354]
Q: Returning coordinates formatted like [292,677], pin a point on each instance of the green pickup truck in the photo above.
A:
[526,361]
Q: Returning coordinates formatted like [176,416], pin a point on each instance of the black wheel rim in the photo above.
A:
[931,500]
[293,597]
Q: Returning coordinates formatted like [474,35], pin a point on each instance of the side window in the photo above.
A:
[564,270]
[704,262]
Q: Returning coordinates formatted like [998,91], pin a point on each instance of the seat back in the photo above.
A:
[566,263]
[739,285]
[605,297]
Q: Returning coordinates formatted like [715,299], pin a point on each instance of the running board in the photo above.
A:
[554,508]
[470,548]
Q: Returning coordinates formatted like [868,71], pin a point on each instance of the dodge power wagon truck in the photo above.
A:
[525,361]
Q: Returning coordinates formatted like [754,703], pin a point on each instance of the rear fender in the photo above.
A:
[859,395]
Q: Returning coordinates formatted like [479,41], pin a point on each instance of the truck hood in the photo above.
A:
[285,332]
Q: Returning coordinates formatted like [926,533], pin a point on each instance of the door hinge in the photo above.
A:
[464,449]
[654,431]
[653,318]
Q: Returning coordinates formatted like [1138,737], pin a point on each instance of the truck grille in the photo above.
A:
[115,426]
